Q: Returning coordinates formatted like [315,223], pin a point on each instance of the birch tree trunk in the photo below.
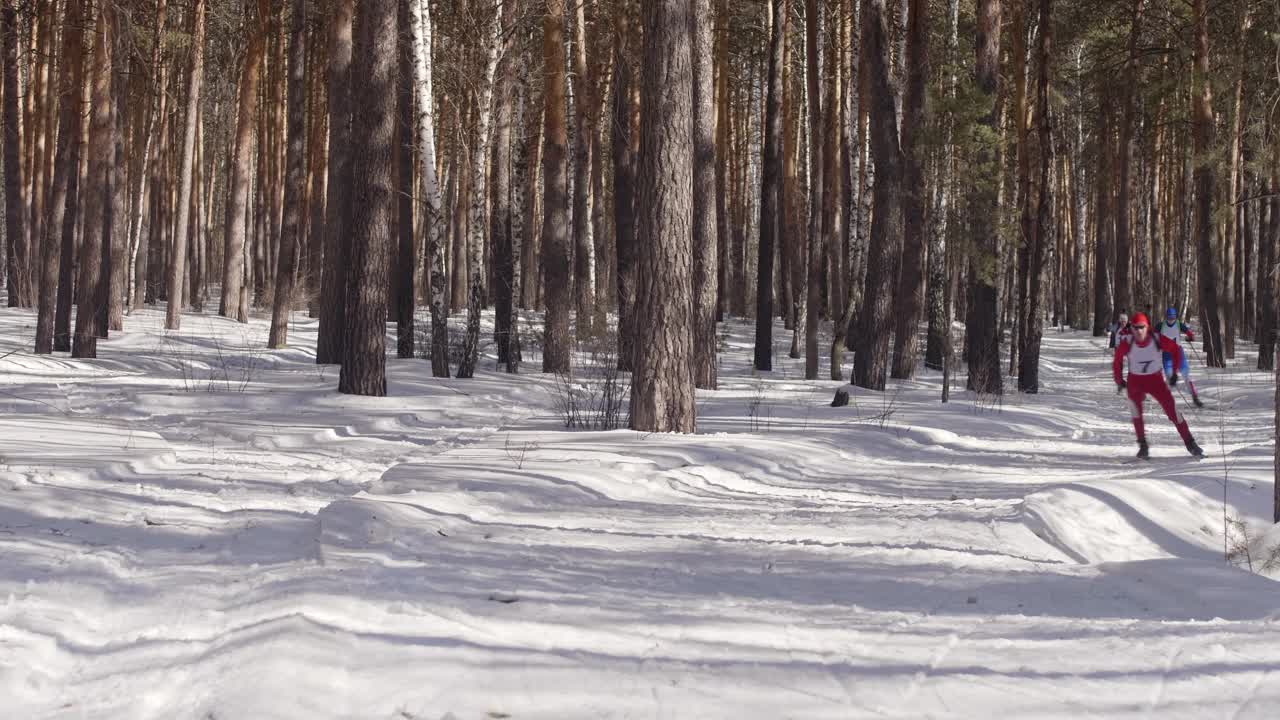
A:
[476,224]
[420,29]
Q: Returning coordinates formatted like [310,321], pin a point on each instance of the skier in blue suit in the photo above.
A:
[1174,329]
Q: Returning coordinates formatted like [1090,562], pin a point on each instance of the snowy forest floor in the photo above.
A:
[192,526]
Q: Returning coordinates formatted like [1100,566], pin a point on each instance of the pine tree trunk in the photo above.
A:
[88,286]
[871,364]
[479,199]
[146,248]
[331,343]
[1029,368]
[770,208]
[294,180]
[723,123]
[178,259]
[406,258]
[625,147]
[238,193]
[1123,291]
[555,221]
[420,27]
[1102,258]
[939,326]
[118,208]
[583,288]
[983,196]
[372,198]
[1270,240]
[15,260]
[511,279]
[501,215]
[701,28]
[62,211]
[1212,320]
[816,247]
[662,390]
[529,253]
[910,299]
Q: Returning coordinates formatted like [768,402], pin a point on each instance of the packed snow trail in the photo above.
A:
[195,527]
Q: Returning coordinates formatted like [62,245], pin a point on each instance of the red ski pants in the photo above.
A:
[1139,387]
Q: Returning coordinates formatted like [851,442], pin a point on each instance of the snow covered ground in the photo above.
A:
[195,527]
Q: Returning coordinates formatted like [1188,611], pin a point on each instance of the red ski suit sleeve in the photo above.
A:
[1118,362]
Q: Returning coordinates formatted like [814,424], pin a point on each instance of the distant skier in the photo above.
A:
[1174,329]
[1123,329]
[1121,323]
[1143,353]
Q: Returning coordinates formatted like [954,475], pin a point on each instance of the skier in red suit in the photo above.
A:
[1144,353]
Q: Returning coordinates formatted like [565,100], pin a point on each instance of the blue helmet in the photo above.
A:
[1171,314]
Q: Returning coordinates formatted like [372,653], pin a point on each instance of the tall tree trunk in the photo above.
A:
[1270,240]
[89,284]
[705,192]
[584,292]
[16,259]
[983,196]
[521,198]
[500,208]
[330,342]
[420,27]
[662,390]
[910,300]
[1029,368]
[625,147]
[555,221]
[723,123]
[770,209]
[238,193]
[118,207]
[1212,320]
[479,198]
[871,363]
[178,259]
[62,210]
[406,258]
[147,226]
[373,126]
[939,325]
[1102,258]
[1123,291]
[295,177]
[816,241]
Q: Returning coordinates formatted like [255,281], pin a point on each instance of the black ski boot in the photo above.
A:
[1196,399]
[1143,451]
[1193,448]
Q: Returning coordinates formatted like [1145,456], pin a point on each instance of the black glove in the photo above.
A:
[1173,380]
[1120,386]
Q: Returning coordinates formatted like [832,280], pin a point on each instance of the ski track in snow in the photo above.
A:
[193,526]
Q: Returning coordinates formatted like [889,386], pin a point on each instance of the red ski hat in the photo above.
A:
[1139,319]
